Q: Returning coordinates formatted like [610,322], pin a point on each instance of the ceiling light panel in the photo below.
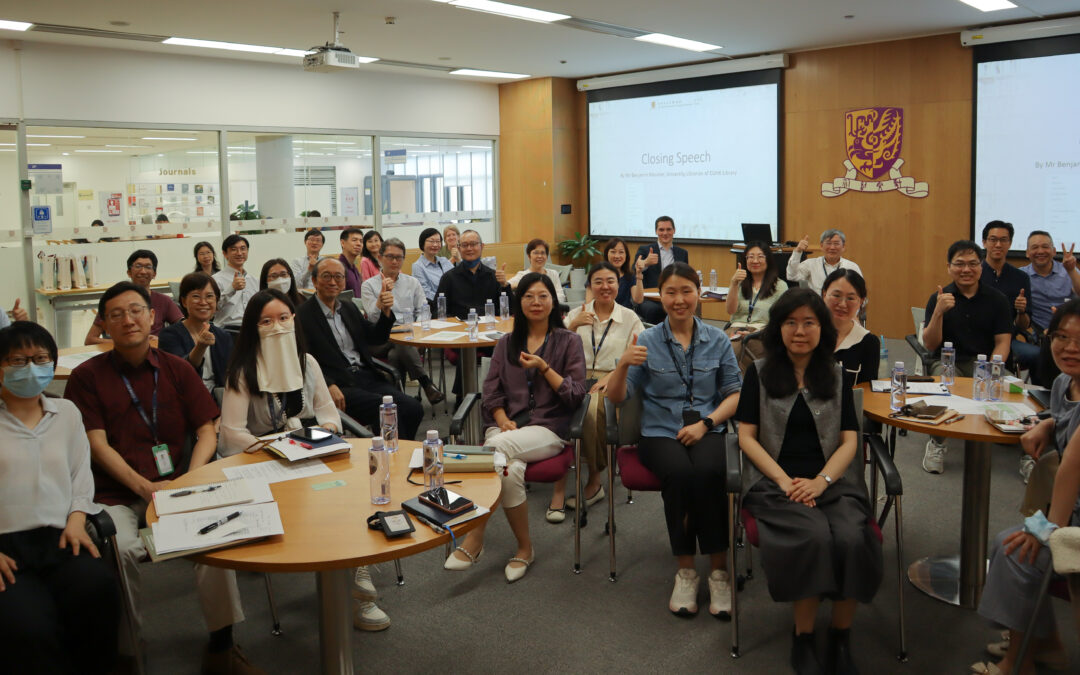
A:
[470,72]
[513,11]
[234,46]
[989,5]
[681,43]
[51,136]
[14,25]
[163,138]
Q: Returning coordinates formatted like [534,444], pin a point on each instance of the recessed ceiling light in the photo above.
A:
[14,25]
[989,5]
[107,145]
[51,136]
[166,138]
[30,145]
[97,151]
[325,142]
[202,152]
[513,11]
[470,72]
[234,46]
[681,43]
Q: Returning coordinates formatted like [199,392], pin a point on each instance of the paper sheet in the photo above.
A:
[180,532]
[416,460]
[71,361]
[438,324]
[966,406]
[447,336]
[200,497]
[274,471]
[929,388]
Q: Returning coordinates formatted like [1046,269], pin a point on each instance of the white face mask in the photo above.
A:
[283,284]
[278,366]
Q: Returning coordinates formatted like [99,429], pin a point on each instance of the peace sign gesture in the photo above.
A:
[1067,257]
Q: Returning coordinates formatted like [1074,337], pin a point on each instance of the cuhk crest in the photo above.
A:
[874,137]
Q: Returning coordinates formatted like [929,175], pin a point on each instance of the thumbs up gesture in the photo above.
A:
[804,244]
[239,281]
[652,258]
[945,302]
[500,275]
[583,318]
[639,264]
[739,276]
[19,313]
[1021,302]
[385,301]
[635,354]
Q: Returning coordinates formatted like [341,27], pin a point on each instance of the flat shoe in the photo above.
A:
[556,515]
[1057,660]
[456,564]
[571,502]
[515,573]
[986,668]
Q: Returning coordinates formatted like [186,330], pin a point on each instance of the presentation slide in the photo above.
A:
[1027,146]
[708,159]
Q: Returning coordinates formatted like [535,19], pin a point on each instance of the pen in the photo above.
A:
[213,526]
[430,523]
[456,456]
[955,419]
[302,445]
[185,493]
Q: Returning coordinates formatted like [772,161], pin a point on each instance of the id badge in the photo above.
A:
[690,416]
[163,459]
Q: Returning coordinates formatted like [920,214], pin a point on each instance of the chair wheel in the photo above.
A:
[903,432]
[276,630]
[583,519]
[740,583]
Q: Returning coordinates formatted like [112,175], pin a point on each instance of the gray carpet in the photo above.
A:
[556,621]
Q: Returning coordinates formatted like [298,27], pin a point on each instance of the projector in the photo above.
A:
[327,60]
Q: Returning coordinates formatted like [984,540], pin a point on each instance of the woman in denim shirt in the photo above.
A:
[686,373]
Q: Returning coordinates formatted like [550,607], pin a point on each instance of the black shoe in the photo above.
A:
[839,659]
[433,394]
[803,657]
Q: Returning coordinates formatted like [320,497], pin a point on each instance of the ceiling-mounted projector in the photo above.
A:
[326,59]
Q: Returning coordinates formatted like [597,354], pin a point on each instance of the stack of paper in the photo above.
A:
[216,528]
[295,450]
[211,495]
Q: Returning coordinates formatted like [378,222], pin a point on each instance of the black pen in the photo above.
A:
[185,493]
[430,523]
[213,526]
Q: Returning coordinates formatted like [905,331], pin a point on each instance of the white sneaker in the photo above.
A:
[719,594]
[934,459]
[363,587]
[1027,465]
[370,617]
[684,595]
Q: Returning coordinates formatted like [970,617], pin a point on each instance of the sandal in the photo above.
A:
[986,668]
[457,564]
[556,515]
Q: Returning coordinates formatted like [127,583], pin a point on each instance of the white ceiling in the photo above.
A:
[427,32]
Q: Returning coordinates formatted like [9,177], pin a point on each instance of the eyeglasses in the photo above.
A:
[998,240]
[195,297]
[792,324]
[238,249]
[1059,339]
[329,276]
[840,297]
[468,244]
[971,264]
[277,275]
[136,312]
[755,258]
[143,267]
[20,361]
[393,258]
[268,321]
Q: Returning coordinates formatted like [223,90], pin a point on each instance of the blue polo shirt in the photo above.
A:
[1046,292]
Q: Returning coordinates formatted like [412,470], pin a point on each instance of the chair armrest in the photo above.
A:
[889,473]
[921,351]
[102,524]
[388,371]
[353,427]
[732,455]
[577,422]
[564,308]
[611,422]
[457,422]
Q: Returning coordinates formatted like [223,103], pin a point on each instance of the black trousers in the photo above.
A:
[364,396]
[652,312]
[63,611]
[695,501]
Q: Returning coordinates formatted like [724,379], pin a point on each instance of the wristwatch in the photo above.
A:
[707,421]
[827,477]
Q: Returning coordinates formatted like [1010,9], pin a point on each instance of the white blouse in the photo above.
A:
[551,274]
[602,351]
[244,418]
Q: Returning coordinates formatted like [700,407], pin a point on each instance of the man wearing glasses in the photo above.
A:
[975,318]
[471,283]
[237,286]
[1053,283]
[142,268]
[139,406]
[408,295]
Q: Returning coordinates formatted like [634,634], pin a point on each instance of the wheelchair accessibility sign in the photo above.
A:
[42,216]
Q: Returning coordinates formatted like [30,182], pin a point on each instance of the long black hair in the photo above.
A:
[778,373]
[520,335]
[772,272]
[623,269]
[214,266]
[368,254]
[294,292]
[245,354]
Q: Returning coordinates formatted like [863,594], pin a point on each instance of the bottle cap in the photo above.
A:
[898,364]
[377,443]
[981,357]
[997,357]
[387,399]
[433,434]
[442,295]
[949,345]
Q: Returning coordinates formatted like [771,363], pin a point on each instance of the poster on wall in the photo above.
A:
[111,203]
[48,178]
[350,198]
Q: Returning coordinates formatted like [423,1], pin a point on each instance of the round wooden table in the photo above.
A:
[326,531]
[957,579]
[61,372]
[419,338]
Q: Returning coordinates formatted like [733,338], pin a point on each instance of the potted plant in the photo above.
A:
[580,247]
[245,211]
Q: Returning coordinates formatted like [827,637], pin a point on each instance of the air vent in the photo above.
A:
[601,27]
[96,33]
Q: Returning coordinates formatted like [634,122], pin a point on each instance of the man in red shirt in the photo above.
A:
[142,268]
[139,406]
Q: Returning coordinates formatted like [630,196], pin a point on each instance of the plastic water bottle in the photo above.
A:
[425,317]
[980,381]
[489,311]
[388,422]
[433,460]
[407,317]
[948,365]
[504,306]
[700,279]
[441,302]
[997,372]
[379,467]
[712,278]
[898,389]
[474,330]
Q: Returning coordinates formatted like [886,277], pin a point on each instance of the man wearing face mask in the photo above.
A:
[59,604]
[139,406]
[340,338]
[408,295]
[142,268]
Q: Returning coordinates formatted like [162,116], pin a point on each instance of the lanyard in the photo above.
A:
[531,377]
[150,422]
[826,270]
[271,399]
[688,379]
[753,302]
[596,347]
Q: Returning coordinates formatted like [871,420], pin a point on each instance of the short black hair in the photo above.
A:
[778,373]
[679,269]
[535,244]
[314,232]
[662,219]
[963,246]
[97,223]
[851,276]
[142,253]
[314,213]
[196,281]
[21,334]
[998,224]
[350,231]
[1041,233]
[428,232]
[120,288]
[233,240]
[161,218]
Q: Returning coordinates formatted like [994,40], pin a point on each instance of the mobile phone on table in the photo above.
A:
[311,434]
[446,501]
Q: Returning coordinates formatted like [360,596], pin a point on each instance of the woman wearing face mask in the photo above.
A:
[59,606]
[278,274]
[857,349]
[193,337]
[272,382]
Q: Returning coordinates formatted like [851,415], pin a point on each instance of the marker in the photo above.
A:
[955,419]
[213,526]
[185,493]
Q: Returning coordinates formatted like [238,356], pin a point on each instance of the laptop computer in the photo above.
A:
[757,232]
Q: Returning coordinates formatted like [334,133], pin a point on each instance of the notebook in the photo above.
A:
[441,518]
[294,450]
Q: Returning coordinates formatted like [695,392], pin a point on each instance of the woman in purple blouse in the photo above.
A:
[536,382]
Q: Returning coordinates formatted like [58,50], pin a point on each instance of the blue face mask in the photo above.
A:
[471,264]
[28,381]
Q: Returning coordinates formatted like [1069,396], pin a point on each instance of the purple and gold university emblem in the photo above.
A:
[874,137]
